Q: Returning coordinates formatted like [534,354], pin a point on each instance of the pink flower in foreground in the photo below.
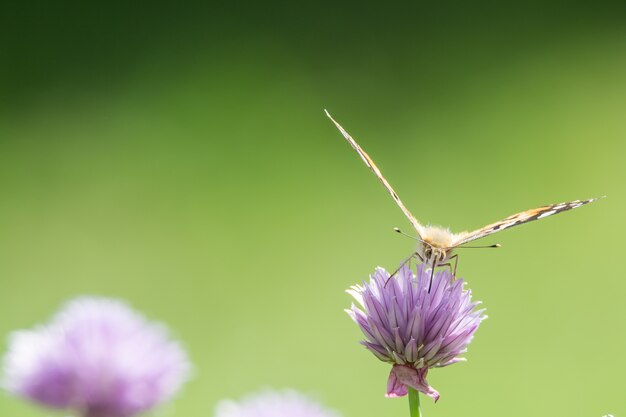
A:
[413,329]
[98,358]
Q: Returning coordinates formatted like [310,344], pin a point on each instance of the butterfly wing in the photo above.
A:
[368,161]
[520,218]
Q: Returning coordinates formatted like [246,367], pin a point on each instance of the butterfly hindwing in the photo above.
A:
[520,218]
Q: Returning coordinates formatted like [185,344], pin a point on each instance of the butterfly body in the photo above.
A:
[438,237]
[437,243]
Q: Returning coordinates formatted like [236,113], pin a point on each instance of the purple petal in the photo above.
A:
[414,326]
[361,319]
[410,351]
[378,351]
[450,362]
[398,340]
[382,335]
[431,349]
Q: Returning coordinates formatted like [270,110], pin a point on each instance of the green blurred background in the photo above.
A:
[177,156]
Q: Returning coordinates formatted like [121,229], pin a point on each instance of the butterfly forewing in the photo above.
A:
[370,163]
[442,239]
[520,218]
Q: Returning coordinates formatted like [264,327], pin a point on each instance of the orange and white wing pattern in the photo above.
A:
[368,161]
[520,218]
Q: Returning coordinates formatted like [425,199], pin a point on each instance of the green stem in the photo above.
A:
[414,403]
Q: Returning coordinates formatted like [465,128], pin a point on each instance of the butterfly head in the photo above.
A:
[433,255]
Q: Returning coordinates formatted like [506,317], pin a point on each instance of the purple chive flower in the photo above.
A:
[413,329]
[285,403]
[98,358]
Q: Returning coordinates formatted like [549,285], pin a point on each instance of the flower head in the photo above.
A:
[97,357]
[413,329]
[286,403]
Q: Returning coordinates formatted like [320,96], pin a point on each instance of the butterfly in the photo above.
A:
[437,243]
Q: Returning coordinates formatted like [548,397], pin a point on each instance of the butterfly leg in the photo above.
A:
[456,262]
[449,265]
[413,255]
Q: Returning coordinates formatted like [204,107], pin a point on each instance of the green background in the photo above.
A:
[177,156]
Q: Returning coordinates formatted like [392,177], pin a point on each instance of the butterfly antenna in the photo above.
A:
[397,229]
[497,245]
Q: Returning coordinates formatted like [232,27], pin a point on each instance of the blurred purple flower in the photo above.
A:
[413,329]
[285,403]
[97,357]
